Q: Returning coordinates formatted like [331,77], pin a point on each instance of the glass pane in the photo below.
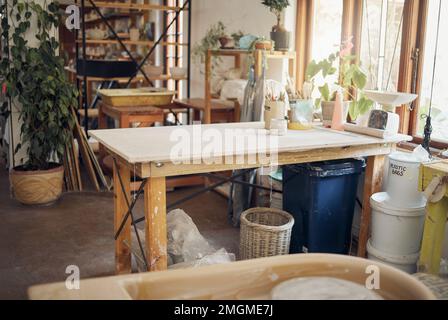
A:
[326,28]
[440,94]
[381,42]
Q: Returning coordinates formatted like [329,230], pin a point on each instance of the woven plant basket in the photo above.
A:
[265,232]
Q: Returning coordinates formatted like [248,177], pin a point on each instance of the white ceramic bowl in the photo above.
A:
[178,72]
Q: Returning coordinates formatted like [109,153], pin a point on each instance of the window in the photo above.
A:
[382,25]
[326,28]
[440,91]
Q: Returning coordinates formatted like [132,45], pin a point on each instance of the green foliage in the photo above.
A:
[35,78]
[210,41]
[276,7]
[351,80]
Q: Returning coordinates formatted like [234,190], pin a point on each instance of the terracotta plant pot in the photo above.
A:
[226,42]
[264,45]
[328,110]
[36,187]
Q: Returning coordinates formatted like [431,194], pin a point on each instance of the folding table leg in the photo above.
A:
[155,224]
[122,251]
[372,185]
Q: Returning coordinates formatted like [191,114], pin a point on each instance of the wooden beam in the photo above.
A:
[155,224]
[304,35]
[408,46]
[420,44]
[168,169]
[352,24]
[208,88]
[373,183]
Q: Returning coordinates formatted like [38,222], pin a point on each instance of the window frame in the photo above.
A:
[413,37]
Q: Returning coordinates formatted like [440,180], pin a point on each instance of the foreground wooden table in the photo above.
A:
[148,150]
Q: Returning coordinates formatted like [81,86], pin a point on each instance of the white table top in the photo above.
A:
[144,145]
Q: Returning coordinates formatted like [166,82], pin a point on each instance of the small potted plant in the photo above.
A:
[37,85]
[350,80]
[279,34]
[211,41]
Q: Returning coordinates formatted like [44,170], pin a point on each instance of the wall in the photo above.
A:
[249,16]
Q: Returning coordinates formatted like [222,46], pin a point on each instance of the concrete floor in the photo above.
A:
[38,243]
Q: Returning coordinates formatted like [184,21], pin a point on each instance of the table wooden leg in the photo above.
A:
[102,118]
[102,124]
[122,251]
[433,237]
[124,122]
[372,185]
[156,234]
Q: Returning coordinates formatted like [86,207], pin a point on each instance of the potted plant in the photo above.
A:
[350,79]
[37,85]
[211,41]
[279,34]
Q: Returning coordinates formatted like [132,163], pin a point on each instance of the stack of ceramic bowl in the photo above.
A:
[398,215]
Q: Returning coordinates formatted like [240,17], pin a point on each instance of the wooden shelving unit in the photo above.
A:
[130,42]
[137,14]
[237,54]
[131,5]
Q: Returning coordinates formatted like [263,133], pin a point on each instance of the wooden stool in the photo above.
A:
[146,116]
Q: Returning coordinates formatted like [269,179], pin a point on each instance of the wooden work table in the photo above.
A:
[148,150]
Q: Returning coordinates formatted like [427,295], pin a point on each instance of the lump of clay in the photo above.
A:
[321,288]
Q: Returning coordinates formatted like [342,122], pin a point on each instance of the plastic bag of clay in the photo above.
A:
[421,154]
[219,257]
[185,243]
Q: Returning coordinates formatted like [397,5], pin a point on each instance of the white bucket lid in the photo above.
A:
[404,157]
[395,259]
[383,202]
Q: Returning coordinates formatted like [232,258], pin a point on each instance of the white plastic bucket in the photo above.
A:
[395,230]
[406,263]
[402,180]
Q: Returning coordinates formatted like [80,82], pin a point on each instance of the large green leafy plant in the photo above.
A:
[35,81]
[277,7]
[351,80]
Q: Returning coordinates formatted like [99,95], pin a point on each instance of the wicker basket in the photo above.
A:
[265,232]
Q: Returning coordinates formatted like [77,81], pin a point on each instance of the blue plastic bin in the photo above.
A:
[321,197]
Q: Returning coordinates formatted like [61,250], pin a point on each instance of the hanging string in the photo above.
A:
[366,8]
[428,127]
[395,50]
[135,194]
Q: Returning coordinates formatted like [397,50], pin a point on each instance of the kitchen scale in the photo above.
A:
[383,122]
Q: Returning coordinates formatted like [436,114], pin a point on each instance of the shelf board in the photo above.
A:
[130,42]
[114,16]
[138,77]
[269,55]
[229,52]
[136,6]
